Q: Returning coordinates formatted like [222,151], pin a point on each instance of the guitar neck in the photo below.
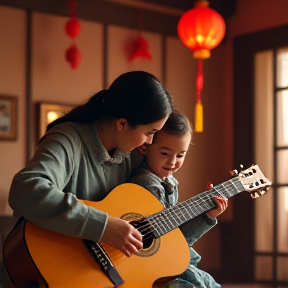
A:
[172,217]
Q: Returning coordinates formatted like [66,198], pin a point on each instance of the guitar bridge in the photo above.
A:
[103,260]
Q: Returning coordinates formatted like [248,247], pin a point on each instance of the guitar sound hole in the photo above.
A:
[144,227]
[150,244]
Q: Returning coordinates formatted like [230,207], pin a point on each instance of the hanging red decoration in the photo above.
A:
[73,56]
[140,45]
[201,29]
[141,49]
[72,29]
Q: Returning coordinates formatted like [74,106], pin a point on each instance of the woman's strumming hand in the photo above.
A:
[122,236]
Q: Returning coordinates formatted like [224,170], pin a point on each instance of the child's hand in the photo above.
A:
[221,203]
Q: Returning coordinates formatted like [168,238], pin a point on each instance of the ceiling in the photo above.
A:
[225,7]
[159,16]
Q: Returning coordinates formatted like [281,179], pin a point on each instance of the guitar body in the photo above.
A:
[36,257]
[64,262]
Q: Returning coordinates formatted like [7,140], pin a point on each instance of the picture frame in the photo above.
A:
[8,117]
[48,112]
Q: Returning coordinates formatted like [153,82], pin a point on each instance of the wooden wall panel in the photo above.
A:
[12,82]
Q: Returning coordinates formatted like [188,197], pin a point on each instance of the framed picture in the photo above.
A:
[48,112]
[8,117]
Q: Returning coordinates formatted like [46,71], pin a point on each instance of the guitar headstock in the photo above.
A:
[254,181]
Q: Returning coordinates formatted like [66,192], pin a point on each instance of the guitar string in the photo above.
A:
[192,202]
[167,213]
[172,211]
[149,226]
[163,215]
[160,219]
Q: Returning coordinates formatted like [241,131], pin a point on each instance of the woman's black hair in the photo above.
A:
[137,96]
[177,124]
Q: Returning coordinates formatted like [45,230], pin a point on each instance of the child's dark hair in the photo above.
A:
[177,124]
[137,96]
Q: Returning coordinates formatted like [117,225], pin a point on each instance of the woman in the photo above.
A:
[85,154]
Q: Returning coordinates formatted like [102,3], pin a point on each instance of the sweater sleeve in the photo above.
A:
[38,191]
[197,227]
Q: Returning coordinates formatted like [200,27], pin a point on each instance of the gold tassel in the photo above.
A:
[198,117]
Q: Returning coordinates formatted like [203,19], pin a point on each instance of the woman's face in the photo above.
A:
[127,139]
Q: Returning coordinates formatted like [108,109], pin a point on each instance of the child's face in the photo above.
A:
[167,153]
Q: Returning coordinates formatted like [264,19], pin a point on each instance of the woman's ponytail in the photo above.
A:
[137,96]
[86,113]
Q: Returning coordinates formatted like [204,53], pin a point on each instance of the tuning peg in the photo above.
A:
[254,195]
[260,192]
[233,172]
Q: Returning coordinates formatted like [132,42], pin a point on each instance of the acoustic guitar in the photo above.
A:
[36,257]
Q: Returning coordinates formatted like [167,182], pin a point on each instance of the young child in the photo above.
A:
[163,157]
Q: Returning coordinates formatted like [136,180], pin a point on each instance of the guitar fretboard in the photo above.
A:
[172,217]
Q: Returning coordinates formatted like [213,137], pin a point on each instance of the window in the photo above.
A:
[255,245]
[271,150]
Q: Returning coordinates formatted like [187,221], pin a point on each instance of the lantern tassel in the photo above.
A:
[198,117]
[199,107]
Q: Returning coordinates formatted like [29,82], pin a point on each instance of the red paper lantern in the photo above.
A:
[73,56]
[141,49]
[72,27]
[201,29]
